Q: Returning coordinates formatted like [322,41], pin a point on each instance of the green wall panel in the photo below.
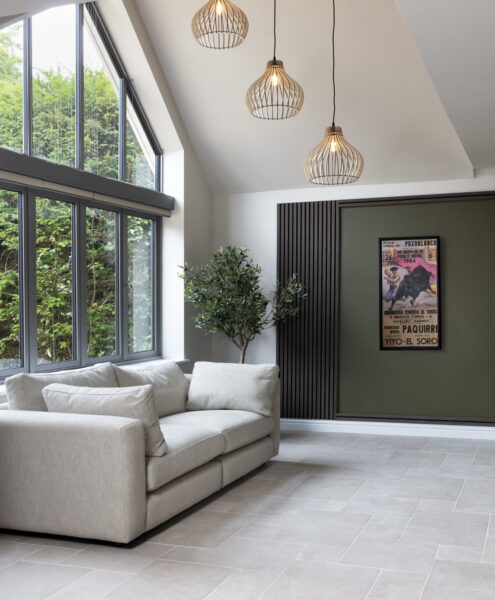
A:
[456,382]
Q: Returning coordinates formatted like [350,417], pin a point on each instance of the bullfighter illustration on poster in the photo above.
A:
[409,290]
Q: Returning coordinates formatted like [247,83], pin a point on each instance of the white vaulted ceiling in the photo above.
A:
[415,86]
[386,101]
[13,8]
[456,41]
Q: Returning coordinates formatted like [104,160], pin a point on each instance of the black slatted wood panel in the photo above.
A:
[305,344]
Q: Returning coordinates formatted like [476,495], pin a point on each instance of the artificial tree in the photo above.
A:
[227,295]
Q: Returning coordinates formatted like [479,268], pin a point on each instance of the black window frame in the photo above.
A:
[27,282]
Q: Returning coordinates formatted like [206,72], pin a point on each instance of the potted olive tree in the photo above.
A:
[227,295]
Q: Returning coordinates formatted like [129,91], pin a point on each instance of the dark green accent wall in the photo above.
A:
[456,382]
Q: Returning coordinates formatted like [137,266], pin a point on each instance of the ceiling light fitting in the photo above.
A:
[219,25]
[334,161]
[275,95]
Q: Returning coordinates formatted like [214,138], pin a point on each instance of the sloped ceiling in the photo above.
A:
[457,44]
[21,8]
[386,101]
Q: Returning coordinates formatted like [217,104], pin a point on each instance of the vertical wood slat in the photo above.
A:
[305,344]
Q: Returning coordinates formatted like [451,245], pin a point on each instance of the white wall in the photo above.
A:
[187,234]
[250,220]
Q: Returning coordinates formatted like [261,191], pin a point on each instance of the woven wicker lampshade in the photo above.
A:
[275,95]
[334,161]
[220,24]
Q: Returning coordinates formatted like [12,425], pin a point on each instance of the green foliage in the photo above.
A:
[101,228]
[54,138]
[229,300]
[140,278]
[9,282]
[54,280]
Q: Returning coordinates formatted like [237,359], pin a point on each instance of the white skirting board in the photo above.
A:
[473,432]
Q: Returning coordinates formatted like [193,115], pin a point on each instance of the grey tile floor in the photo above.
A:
[334,517]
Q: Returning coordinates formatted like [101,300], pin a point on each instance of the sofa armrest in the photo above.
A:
[276,419]
[76,475]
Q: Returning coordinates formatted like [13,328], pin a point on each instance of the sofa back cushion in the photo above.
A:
[168,381]
[24,391]
[133,402]
[233,386]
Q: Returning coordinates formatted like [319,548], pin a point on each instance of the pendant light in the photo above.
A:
[220,24]
[334,161]
[275,95]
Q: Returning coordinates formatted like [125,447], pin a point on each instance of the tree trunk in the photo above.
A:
[243,354]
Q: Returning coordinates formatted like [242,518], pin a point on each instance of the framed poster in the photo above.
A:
[409,293]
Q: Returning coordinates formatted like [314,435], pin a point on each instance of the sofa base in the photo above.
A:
[240,462]
[181,493]
[185,491]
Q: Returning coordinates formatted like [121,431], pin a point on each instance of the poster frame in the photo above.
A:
[439,293]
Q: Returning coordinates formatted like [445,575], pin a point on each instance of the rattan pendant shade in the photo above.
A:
[334,161]
[275,95]
[220,24]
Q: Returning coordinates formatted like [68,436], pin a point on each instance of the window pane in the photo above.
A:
[10,337]
[140,158]
[140,283]
[101,106]
[54,85]
[101,260]
[11,87]
[54,280]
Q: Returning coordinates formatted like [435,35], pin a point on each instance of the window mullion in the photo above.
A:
[29,287]
[81,274]
[79,87]
[124,292]
[122,129]
[27,88]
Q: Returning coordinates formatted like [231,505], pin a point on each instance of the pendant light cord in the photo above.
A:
[274,29]
[333,63]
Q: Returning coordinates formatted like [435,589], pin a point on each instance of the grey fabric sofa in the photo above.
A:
[87,476]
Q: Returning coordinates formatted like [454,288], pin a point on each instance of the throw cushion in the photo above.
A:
[168,381]
[133,402]
[233,386]
[24,391]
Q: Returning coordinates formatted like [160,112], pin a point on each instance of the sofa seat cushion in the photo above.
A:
[188,447]
[238,427]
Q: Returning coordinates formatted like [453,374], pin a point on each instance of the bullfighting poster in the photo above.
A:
[409,293]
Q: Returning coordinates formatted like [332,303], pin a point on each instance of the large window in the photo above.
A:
[66,97]
[79,246]
[88,290]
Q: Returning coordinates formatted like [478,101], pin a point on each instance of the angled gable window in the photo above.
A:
[65,96]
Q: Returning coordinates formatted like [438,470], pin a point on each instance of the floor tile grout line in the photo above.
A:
[221,583]
[429,574]
[486,539]
[373,584]
[355,539]
[460,494]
